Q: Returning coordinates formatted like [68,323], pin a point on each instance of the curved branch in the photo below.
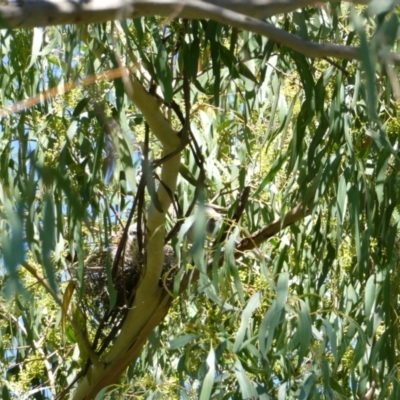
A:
[295,214]
[44,13]
[112,372]
[148,104]
[149,296]
[30,14]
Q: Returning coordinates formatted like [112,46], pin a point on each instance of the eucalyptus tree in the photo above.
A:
[199,199]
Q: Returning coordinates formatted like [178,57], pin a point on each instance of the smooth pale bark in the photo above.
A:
[98,378]
[237,13]
[151,302]
[60,12]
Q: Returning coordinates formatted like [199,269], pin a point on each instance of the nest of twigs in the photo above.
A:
[104,292]
[103,298]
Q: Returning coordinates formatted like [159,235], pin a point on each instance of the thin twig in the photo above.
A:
[42,281]
[244,196]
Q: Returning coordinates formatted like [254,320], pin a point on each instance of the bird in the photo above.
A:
[134,258]
[208,215]
[132,254]
[169,269]
[128,271]
[214,220]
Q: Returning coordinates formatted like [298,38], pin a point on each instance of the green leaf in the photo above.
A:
[276,167]
[245,71]
[13,250]
[342,199]
[182,341]
[5,393]
[368,61]
[251,306]
[48,237]
[337,387]
[37,42]
[370,293]
[206,387]
[307,387]
[212,36]
[389,30]
[304,330]
[274,315]
[192,52]
[381,139]
[298,19]
[162,68]
[230,260]
[331,333]
[380,6]
[247,390]
[72,130]
[80,106]
[381,169]
[137,22]
[101,394]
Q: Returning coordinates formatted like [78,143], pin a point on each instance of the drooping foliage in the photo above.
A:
[294,294]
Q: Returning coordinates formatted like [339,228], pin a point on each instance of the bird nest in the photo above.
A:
[106,294]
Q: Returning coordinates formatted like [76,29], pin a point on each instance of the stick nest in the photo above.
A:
[100,292]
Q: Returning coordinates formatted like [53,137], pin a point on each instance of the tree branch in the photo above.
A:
[149,296]
[30,14]
[45,13]
[295,214]
[112,372]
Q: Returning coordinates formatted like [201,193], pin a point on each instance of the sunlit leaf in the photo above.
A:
[251,306]
[208,381]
